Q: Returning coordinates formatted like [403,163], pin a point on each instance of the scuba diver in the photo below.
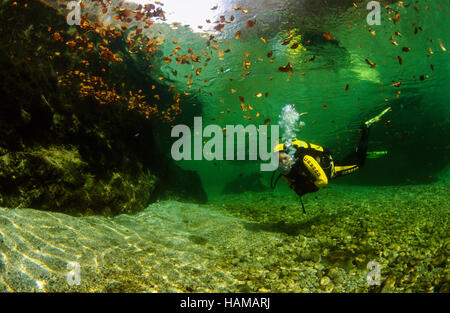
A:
[307,167]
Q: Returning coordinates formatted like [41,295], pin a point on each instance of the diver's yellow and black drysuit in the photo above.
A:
[314,166]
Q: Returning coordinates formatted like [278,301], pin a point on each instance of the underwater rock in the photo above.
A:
[61,151]
[56,179]
[251,182]
[326,284]
[179,184]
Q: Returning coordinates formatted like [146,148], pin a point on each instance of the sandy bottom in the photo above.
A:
[253,242]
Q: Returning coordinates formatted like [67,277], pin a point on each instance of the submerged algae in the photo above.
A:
[63,149]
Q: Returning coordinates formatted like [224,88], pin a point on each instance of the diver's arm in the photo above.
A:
[288,181]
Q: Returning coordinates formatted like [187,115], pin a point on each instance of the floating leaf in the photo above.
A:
[269,55]
[397,84]
[396,18]
[406,49]
[57,37]
[286,68]
[218,27]
[238,34]
[326,36]
[258,95]
[241,98]
[400,59]
[294,46]
[372,64]
[250,23]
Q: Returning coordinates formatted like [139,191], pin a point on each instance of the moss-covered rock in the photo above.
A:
[63,151]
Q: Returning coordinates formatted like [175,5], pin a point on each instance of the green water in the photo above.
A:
[419,111]
[150,236]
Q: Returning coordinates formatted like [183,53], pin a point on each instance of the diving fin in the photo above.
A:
[376,154]
[376,118]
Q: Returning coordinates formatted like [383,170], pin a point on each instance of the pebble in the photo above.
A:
[325,280]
